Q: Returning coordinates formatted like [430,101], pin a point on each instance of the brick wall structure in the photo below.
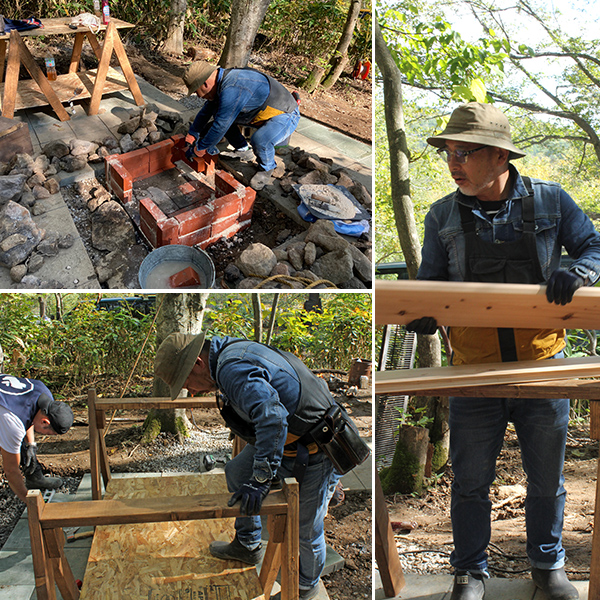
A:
[211,213]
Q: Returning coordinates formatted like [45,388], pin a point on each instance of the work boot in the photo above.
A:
[235,551]
[261,179]
[468,586]
[37,480]
[554,584]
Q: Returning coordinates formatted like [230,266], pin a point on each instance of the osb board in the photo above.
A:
[60,26]
[29,95]
[469,304]
[407,381]
[166,560]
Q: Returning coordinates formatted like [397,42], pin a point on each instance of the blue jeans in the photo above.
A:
[317,487]
[477,427]
[275,131]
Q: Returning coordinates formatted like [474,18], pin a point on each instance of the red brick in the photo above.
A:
[150,212]
[187,188]
[197,237]
[178,140]
[185,278]
[248,201]
[219,227]
[210,165]
[118,175]
[168,232]
[149,233]
[137,163]
[192,219]
[225,183]
[227,206]
[160,156]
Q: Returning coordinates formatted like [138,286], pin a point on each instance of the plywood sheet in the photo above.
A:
[166,560]
[469,304]
[407,381]
[29,94]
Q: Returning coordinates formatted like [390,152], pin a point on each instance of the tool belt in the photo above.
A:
[337,436]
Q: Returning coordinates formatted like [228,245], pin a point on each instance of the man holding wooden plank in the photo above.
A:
[26,405]
[271,400]
[501,227]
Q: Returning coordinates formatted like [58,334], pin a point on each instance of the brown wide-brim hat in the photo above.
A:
[175,359]
[478,123]
[196,74]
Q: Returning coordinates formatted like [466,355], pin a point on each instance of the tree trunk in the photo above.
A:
[405,474]
[272,318]
[311,83]
[257,310]
[246,19]
[429,346]
[174,42]
[178,313]
[340,57]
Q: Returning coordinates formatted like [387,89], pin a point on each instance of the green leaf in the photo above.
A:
[478,90]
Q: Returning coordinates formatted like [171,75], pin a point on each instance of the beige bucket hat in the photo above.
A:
[175,359]
[196,74]
[478,123]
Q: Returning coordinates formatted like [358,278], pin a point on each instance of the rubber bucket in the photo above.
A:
[196,258]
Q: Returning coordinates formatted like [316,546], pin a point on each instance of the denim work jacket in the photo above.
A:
[263,388]
[240,93]
[560,223]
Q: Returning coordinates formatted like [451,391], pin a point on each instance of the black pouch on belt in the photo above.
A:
[337,436]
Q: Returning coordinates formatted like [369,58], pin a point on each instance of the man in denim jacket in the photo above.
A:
[241,97]
[501,227]
[261,394]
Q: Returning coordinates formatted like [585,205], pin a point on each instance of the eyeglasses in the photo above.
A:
[459,155]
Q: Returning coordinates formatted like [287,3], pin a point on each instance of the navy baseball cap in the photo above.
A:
[59,414]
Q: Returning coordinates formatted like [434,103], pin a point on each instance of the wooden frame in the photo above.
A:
[46,522]
[39,91]
[462,304]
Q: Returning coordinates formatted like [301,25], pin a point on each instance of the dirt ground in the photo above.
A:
[347,526]
[426,548]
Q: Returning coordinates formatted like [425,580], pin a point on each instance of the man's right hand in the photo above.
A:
[423,326]
[29,458]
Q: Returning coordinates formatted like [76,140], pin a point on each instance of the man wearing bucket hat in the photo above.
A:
[241,97]
[27,405]
[501,227]
[264,395]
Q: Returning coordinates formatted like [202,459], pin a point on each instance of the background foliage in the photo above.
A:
[90,346]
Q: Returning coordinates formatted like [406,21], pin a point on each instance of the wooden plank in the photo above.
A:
[121,55]
[76,53]
[55,543]
[594,586]
[29,95]
[2,59]
[103,65]
[576,389]
[290,549]
[152,510]
[44,577]
[469,304]
[406,381]
[386,553]
[60,26]
[148,403]
[272,559]
[94,445]
[8,90]
[595,420]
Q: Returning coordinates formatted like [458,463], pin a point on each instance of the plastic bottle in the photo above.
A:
[50,67]
[105,12]
[97,10]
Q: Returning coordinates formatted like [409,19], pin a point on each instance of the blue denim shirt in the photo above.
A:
[240,93]
[262,387]
[559,223]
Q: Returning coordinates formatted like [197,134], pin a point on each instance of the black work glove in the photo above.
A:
[29,458]
[252,494]
[423,326]
[562,285]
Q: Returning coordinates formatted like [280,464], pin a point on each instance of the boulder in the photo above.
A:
[11,188]
[336,266]
[111,228]
[322,233]
[82,147]
[257,260]
[18,272]
[16,220]
[56,149]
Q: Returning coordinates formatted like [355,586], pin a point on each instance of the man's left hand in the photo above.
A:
[562,285]
[252,494]
[29,458]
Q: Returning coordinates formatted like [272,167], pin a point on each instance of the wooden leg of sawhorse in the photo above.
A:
[290,549]
[594,588]
[386,553]
[2,59]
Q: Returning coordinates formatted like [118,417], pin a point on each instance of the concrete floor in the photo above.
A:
[72,268]
[16,569]
[439,587]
